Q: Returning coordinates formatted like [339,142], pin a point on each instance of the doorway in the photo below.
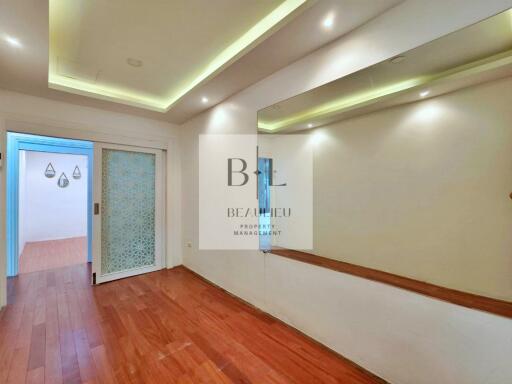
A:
[125,224]
[49,201]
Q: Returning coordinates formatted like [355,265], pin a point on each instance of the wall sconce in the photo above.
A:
[50,171]
[63,181]
[76,173]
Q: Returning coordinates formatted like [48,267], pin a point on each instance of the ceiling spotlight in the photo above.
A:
[12,41]
[134,62]
[204,100]
[310,125]
[424,93]
[328,21]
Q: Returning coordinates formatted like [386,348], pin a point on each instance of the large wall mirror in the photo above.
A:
[411,162]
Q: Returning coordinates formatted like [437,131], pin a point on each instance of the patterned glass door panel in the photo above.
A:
[127,210]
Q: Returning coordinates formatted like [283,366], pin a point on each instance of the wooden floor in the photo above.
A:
[168,326]
[43,255]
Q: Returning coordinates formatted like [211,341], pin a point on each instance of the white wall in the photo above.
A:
[29,114]
[50,212]
[399,335]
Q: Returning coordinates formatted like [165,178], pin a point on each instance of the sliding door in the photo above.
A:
[128,211]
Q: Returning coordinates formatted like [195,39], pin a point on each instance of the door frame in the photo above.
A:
[160,214]
[28,142]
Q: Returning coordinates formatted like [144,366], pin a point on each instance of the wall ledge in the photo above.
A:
[465,299]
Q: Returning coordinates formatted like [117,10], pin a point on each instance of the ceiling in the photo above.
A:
[478,53]
[167,60]
[150,54]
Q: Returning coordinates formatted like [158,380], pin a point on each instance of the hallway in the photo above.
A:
[164,327]
[44,255]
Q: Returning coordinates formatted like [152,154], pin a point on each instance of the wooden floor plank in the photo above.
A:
[104,370]
[35,376]
[50,254]
[84,357]
[168,326]
[37,347]
[19,365]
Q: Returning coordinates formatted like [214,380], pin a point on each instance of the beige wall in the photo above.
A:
[399,335]
[421,190]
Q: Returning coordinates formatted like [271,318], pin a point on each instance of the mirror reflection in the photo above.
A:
[412,161]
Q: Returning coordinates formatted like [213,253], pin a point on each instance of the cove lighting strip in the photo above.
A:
[364,98]
[59,9]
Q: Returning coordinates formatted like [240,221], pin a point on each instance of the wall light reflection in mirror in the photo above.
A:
[328,22]
[12,41]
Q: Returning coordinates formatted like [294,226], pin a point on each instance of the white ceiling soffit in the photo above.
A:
[120,48]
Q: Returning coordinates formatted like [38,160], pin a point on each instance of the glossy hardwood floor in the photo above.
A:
[42,255]
[164,327]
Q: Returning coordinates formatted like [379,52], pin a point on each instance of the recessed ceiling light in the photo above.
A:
[328,21]
[204,100]
[12,41]
[397,59]
[424,93]
[134,62]
[310,125]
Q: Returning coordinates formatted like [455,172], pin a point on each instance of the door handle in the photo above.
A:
[96,208]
